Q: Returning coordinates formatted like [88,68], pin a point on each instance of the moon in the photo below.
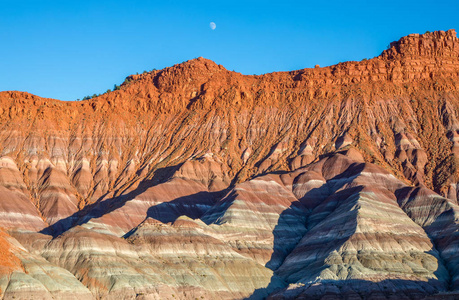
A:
[212,25]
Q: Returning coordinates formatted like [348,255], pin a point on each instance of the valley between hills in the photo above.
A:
[195,182]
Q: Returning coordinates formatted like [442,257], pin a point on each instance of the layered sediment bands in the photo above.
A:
[197,182]
[17,209]
[260,218]
[107,265]
[158,260]
[361,242]
[331,228]
[197,259]
[399,109]
[440,219]
[57,199]
[29,276]
[165,202]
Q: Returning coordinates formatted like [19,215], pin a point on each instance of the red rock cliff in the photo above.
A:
[257,153]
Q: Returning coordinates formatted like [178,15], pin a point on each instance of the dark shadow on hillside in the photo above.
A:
[104,206]
[443,231]
[333,200]
[281,252]
[214,213]
[323,207]
[192,206]
[316,204]
[345,289]
[355,289]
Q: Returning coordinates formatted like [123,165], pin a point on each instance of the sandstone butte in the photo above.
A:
[195,182]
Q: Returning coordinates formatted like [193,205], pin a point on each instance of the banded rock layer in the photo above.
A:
[197,182]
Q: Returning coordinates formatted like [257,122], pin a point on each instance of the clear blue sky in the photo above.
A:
[69,49]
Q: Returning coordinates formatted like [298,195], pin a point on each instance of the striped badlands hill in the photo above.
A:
[197,182]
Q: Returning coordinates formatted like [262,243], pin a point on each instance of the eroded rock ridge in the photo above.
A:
[197,182]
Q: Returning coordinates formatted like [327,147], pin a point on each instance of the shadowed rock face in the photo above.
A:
[197,182]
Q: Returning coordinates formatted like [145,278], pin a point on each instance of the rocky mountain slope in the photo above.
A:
[198,182]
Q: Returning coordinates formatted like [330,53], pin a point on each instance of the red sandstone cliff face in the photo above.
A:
[200,141]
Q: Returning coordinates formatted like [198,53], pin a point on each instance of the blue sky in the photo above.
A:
[69,49]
